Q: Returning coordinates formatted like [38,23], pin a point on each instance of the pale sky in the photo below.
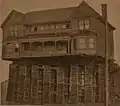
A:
[29,5]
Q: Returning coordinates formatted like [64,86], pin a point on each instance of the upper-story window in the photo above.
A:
[84,24]
[26,46]
[9,47]
[87,42]
[58,26]
[91,43]
[81,25]
[87,24]
[65,26]
[40,27]
[52,26]
[16,47]
[14,30]
[82,42]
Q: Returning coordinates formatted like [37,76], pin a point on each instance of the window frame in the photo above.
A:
[84,24]
[93,43]
[14,29]
[85,43]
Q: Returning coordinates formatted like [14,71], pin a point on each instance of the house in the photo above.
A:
[58,55]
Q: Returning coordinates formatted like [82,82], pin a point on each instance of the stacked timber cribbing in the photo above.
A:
[55,84]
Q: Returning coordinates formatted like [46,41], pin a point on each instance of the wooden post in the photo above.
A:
[104,10]
[68,48]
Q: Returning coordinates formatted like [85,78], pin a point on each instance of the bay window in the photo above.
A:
[85,42]
[82,42]
[91,43]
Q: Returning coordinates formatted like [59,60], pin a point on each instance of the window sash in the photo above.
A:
[82,43]
[81,25]
[91,43]
[87,24]
[84,24]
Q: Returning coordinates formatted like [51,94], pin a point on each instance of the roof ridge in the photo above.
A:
[50,9]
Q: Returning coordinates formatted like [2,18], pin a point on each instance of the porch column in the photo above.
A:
[30,48]
[43,45]
[68,48]
[55,47]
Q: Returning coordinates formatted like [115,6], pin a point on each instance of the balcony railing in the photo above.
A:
[46,47]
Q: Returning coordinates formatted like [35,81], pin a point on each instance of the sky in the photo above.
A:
[32,5]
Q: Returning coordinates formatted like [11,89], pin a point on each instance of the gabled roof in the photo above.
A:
[9,16]
[61,14]
[51,15]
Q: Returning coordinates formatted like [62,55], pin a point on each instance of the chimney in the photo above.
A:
[104,11]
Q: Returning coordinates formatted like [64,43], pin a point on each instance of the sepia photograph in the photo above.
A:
[60,52]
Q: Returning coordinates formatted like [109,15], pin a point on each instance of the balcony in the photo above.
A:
[49,46]
[41,47]
[44,49]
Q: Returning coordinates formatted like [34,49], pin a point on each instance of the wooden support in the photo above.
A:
[68,48]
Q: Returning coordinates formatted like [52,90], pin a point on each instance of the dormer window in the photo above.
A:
[52,26]
[84,24]
[32,28]
[35,28]
[58,26]
[41,28]
[65,26]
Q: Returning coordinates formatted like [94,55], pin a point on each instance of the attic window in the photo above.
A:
[66,26]
[58,26]
[84,24]
[14,30]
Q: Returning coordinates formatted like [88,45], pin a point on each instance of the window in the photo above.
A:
[41,28]
[14,30]
[46,26]
[52,26]
[91,43]
[65,26]
[58,26]
[26,46]
[9,47]
[17,47]
[82,43]
[35,28]
[84,24]
[16,50]
[81,25]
